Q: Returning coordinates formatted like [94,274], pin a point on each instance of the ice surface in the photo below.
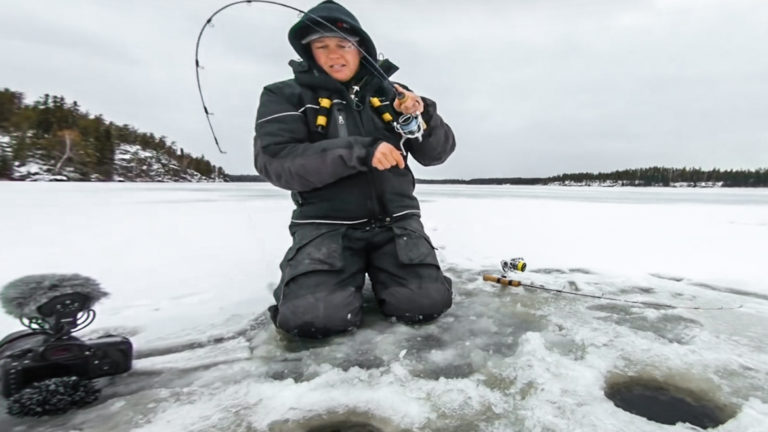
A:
[190,269]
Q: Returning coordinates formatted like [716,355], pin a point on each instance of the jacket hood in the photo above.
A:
[337,16]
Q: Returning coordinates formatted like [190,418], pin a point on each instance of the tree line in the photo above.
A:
[61,133]
[664,176]
[652,176]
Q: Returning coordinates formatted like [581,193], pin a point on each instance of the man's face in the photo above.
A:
[338,57]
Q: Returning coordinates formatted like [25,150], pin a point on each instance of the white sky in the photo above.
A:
[530,88]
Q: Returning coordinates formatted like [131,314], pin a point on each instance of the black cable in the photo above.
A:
[39,325]
[84,319]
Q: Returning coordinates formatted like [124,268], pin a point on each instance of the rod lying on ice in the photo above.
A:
[516,283]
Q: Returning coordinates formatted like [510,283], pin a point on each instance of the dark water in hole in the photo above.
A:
[662,405]
[345,427]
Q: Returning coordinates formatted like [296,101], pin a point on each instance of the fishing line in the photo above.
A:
[516,283]
[371,63]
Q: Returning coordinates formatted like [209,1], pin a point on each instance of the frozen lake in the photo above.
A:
[193,265]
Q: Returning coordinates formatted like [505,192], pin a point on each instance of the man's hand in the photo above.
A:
[386,156]
[410,104]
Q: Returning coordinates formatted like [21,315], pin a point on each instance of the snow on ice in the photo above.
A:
[190,269]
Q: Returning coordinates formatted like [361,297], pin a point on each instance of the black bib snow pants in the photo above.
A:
[323,274]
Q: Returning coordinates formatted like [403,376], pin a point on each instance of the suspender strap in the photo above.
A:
[383,110]
[324,105]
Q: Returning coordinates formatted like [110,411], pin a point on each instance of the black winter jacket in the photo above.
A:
[330,172]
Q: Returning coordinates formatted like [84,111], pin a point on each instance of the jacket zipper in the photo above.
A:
[341,124]
[357,110]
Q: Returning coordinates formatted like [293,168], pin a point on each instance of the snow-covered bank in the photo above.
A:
[131,163]
[188,262]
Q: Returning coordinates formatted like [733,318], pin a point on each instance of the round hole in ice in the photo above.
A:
[345,426]
[666,403]
[349,421]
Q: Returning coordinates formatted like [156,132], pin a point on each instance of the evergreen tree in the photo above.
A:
[6,166]
[10,103]
[105,153]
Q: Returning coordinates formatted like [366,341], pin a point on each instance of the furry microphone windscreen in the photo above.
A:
[21,297]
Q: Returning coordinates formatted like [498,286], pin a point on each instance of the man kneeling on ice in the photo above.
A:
[338,136]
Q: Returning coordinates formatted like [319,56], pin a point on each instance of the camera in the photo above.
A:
[30,356]
[53,307]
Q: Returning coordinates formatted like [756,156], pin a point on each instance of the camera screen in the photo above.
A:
[63,351]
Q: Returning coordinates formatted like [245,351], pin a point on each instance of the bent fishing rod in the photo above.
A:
[371,63]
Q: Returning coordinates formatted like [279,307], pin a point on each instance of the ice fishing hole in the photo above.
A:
[667,404]
[349,421]
[345,426]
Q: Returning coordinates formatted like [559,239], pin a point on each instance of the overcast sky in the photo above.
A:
[531,88]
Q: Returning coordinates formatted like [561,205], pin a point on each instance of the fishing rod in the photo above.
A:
[519,265]
[408,125]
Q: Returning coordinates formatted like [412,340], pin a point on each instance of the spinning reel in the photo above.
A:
[513,265]
[410,126]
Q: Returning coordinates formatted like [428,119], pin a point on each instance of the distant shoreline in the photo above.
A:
[473,182]
[715,179]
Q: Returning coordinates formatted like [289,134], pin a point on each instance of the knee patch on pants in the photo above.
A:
[322,314]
